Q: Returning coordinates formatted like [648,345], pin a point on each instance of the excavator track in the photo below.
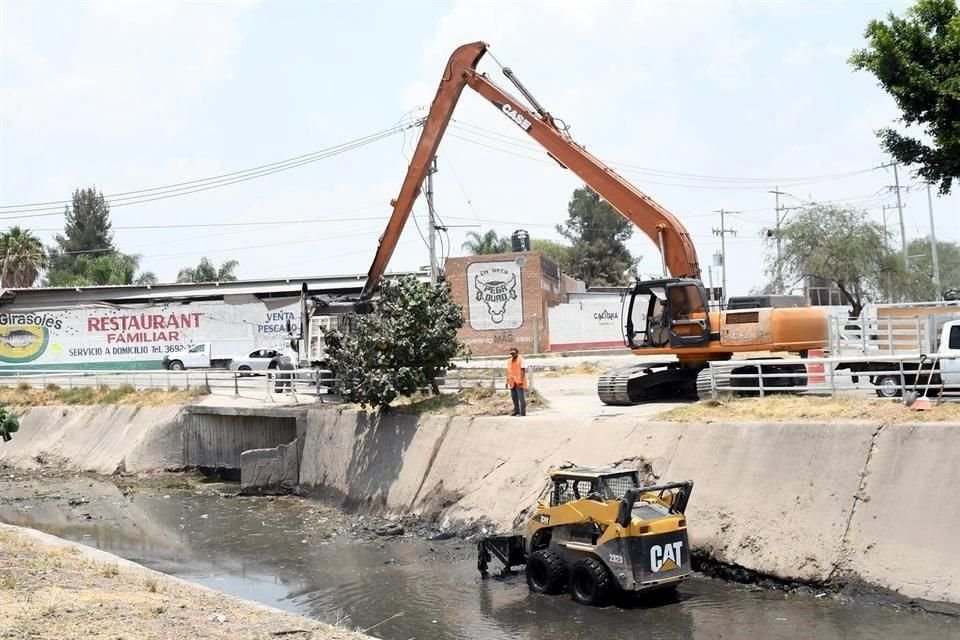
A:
[722,382]
[647,382]
[711,389]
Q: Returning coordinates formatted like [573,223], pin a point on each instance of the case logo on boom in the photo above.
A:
[665,557]
[515,115]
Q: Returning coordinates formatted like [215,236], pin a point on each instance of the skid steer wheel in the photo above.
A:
[545,572]
[590,582]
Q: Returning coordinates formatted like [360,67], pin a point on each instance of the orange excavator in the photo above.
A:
[667,317]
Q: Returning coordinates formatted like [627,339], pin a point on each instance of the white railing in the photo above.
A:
[888,376]
[890,336]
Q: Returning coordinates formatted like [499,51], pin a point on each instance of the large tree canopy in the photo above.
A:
[559,252]
[597,235]
[85,254]
[114,268]
[840,245]
[916,58]
[400,347]
[86,230]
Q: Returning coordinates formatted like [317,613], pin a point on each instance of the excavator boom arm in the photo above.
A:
[658,224]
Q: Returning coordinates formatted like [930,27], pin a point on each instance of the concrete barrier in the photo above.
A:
[270,471]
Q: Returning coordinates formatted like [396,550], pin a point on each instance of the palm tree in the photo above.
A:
[206,271]
[489,242]
[22,256]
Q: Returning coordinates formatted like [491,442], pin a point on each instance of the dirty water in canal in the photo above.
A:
[300,556]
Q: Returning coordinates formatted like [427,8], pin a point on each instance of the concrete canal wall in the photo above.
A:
[823,503]
[801,501]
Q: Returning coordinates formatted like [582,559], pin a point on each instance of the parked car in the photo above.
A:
[257,360]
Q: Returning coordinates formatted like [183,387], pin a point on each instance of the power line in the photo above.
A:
[108,250]
[40,209]
[202,225]
[797,180]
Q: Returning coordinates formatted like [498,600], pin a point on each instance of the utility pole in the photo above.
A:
[779,270]
[933,244]
[903,229]
[777,193]
[722,232]
[889,288]
[432,224]
[885,207]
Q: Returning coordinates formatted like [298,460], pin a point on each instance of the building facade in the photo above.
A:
[506,299]
[134,327]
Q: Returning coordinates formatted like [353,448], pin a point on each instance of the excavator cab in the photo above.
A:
[676,310]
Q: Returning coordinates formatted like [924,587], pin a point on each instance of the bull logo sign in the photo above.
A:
[496,300]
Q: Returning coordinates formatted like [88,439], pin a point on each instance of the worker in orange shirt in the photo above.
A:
[517,382]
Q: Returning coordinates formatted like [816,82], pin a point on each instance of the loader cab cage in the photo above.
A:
[676,314]
[676,494]
[592,485]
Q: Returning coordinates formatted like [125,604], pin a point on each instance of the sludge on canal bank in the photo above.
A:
[831,504]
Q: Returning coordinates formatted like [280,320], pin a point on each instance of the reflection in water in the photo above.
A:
[264,551]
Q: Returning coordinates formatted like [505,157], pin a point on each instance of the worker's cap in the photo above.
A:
[513,350]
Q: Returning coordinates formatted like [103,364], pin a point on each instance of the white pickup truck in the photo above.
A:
[205,355]
[941,368]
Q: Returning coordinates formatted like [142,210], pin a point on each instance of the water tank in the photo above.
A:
[520,240]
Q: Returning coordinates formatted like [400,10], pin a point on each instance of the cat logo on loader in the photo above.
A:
[600,531]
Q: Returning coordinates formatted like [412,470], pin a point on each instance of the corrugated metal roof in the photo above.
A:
[263,288]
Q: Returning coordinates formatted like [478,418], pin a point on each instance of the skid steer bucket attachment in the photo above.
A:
[507,549]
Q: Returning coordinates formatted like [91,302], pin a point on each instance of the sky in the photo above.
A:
[702,105]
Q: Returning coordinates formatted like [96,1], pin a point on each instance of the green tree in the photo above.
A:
[400,347]
[86,231]
[917,284]
[206,271]
[917,61]
[85,254]
[557,250]
[487,243]
[114,268]
[840,245]
[22,256]
[597,234]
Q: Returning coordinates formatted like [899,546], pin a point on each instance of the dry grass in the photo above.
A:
[479,401]
[25,396]
[584,368]
[800,408]
[59,593]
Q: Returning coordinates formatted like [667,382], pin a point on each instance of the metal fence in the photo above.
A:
[300,385]
[887,336]
[269,386]
[885,376]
